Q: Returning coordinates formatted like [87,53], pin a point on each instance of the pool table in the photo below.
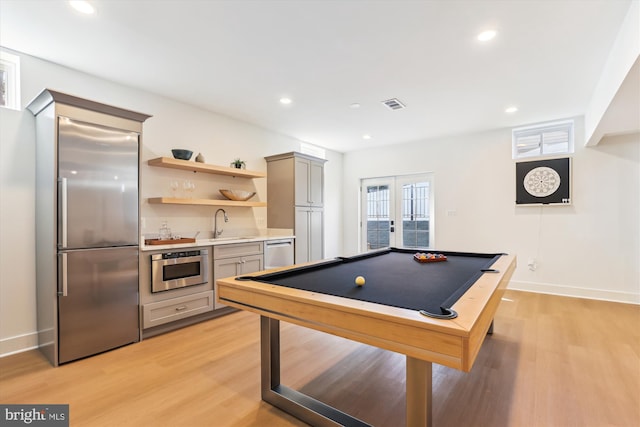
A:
[432,312]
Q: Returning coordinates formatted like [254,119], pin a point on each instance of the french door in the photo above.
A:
[397,212]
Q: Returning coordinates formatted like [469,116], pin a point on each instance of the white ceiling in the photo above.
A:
[238,58]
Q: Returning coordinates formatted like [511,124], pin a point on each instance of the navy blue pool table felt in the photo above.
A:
[392,278]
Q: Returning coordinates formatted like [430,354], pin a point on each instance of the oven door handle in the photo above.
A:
[181,260]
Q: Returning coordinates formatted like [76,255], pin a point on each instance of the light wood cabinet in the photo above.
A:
[235,260]
[309,182]
[295,195]
[167,310]
[159,313]
[309,231]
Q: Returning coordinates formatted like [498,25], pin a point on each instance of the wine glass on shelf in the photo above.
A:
[174,186]
[189,187]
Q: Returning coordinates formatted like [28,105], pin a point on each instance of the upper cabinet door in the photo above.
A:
[316,183]
[302,176]
[309,183]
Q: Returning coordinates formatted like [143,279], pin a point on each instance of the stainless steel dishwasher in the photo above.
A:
[278,253]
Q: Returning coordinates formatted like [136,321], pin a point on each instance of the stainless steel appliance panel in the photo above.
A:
[278,253]
[98,185]
[178,269]
[98,310]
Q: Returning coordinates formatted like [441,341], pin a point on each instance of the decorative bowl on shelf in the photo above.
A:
[238,195]
[181,154]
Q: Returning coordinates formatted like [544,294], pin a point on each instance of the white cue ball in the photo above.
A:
[359,280]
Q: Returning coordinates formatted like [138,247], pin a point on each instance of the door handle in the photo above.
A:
[62,189]
[277,245]
[63,276]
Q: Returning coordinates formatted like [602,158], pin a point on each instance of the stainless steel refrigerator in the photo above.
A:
[87,182]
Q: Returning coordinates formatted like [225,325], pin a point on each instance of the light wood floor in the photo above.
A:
[552,361]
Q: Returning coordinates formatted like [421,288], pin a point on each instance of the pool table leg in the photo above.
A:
[270,353]
[419,395]
[316,413]
[299,405]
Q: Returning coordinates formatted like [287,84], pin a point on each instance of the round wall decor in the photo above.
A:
[542,181]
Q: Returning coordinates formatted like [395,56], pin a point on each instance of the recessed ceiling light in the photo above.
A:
[82,6]
[285,101]
[354,105]
[487,35]
[366,136]
[511,110]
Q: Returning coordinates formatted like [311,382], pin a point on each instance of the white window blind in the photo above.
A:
[543,140]
[9,81]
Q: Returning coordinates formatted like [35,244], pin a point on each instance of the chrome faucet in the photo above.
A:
[217,233]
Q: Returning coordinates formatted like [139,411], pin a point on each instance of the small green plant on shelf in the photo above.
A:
[238,164]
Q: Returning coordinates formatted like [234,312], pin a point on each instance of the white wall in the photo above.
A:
[588,249]
[624,53]
[173,125]
[17,231]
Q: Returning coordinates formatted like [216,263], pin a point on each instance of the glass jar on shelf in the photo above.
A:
[165,231]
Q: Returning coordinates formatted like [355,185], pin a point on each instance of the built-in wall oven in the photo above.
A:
[171,270]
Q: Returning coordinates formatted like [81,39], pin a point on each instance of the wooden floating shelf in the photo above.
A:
[204,202]
[168,162]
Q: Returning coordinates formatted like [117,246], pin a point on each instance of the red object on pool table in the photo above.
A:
[424,258]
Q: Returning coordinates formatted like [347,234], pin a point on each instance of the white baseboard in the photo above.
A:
[569,291]
[18,344]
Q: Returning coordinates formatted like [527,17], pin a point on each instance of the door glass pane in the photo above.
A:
[415,215]
[377,216]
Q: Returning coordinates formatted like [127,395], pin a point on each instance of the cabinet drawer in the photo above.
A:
[237,249]
[162,312]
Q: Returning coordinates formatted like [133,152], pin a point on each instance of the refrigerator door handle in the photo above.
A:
[63,274]
[62,183]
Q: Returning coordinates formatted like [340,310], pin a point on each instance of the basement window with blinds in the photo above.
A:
[547,139]
[9,81]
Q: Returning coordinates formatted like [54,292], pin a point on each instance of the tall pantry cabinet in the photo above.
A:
[295,196]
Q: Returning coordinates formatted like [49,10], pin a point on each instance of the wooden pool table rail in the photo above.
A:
[454,343]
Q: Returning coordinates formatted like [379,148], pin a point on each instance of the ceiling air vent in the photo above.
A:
[393,104]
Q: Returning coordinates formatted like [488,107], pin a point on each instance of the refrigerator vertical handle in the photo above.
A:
[62,274]
[62,183]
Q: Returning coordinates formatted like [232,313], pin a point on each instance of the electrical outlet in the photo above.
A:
[532,264]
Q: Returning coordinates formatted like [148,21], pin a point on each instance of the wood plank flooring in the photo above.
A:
[552,361]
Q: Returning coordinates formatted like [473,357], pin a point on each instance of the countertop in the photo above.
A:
[214,242]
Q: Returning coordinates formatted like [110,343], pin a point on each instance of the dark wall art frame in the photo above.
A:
[544,182]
